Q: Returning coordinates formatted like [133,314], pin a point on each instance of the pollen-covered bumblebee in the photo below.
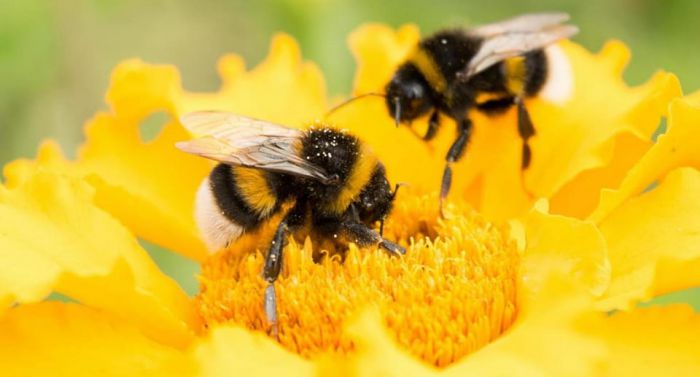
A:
[329,178]
[451,71]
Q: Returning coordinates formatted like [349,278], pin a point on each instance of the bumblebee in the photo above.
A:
[451,71]
[328,177]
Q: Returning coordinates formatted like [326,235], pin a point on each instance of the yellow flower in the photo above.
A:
[464,287]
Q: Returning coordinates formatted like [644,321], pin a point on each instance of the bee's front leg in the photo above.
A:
[363,236]
[456,151]
[433,125]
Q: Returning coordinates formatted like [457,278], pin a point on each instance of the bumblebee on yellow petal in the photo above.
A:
[494,288]
[488,68]
[574,151]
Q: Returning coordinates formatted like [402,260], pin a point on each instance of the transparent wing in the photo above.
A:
[526,33]
[524,23]
[242,141]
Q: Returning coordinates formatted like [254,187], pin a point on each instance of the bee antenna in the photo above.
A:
[396,189]
[397,113]
[349,100]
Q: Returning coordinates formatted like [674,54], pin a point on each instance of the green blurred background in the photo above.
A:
[56,56]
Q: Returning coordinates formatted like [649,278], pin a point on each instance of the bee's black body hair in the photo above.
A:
[451,50]
[337,153]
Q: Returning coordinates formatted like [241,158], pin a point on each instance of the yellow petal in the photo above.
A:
[55,339]
[652,237]
[679,146]
[658,341]
[283,88]
[49,157]
[150,187]
[572,138]
[579,197]
[531,347]
[694,97]
[230,351]
[653,241]
[568,245]
[158,214]
[375,352]
[580,136]
[378,50]
[52,237]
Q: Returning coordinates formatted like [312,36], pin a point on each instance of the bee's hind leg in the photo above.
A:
[456,151]
[273,262]
[526,130]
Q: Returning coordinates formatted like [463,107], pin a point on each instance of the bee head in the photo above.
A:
[375,200]
[408,94]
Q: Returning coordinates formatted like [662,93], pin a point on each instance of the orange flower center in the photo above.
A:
[452,293]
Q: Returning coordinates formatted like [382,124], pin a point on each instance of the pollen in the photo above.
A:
[452,293]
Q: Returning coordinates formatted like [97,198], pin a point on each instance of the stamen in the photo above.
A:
[453,292]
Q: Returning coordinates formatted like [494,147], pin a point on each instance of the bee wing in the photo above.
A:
[524,23]
[508,44]
[242,141]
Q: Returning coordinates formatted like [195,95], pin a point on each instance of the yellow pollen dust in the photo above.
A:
[452,293]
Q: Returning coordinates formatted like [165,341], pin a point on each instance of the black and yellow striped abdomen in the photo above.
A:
[525,75]
[246,196]
[256,189]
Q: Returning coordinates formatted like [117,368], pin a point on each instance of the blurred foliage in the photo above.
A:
[56,55]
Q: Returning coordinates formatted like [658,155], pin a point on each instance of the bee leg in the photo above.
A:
[392,247]
[361,235]
[433,125]
[526,130]
[271,270]
[274,258]
[454,154]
